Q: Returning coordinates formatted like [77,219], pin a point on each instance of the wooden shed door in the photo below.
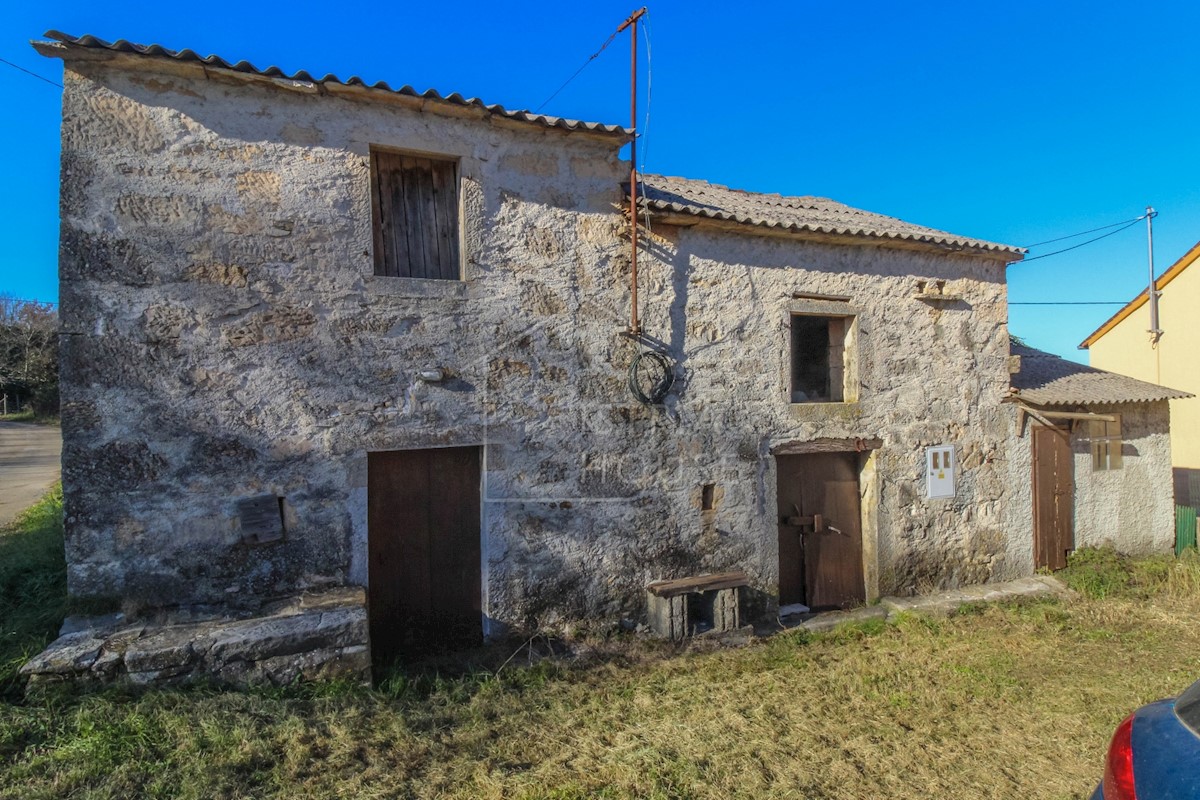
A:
[1053,497]
[423,551]
[821,568]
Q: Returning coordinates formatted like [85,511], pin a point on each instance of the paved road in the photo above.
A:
[29,464]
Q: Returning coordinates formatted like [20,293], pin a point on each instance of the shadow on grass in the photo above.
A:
[33,603]
[29,416]
[33,587]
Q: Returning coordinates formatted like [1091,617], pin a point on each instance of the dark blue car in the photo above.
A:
[1155,753]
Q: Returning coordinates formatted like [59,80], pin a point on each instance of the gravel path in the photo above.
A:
[29,465]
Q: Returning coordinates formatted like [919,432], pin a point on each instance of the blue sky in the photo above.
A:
[1016,122]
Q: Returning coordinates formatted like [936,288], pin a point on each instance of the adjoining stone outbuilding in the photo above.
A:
[1091,459]
[320,334]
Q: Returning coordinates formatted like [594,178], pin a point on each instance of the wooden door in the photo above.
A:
[1053,497]
[820,561]
[423,518]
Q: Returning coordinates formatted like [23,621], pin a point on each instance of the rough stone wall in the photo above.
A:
[225,339]
[225,336]
[928,373]
[1019,508]
[1131,508]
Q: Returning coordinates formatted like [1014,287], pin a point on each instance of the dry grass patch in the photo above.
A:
[994,702]
[999,702]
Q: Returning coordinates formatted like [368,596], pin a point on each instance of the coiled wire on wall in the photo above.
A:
[656,370]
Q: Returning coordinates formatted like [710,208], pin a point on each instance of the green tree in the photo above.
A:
[29,354]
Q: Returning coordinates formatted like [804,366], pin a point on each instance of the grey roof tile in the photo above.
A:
[795,214]
[1047,380]
[157,50]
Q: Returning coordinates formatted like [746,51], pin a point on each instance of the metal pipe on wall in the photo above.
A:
[635,327]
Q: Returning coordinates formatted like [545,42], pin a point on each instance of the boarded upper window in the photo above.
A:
[415,214]
[818,356]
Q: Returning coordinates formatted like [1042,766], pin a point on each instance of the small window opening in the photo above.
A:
[818,358]
[706,496]
[1106,444]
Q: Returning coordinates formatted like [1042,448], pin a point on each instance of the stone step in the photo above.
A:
[312,636]
[947,601]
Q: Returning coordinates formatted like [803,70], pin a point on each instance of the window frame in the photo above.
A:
[828,310]
[381,268]
[1105,440]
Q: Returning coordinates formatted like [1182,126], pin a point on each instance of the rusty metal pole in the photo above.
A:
[635,327]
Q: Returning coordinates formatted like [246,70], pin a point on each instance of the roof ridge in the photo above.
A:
[743,191]
[188,55]
[797,214]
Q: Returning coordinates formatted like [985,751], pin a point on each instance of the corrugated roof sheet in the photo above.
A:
[1047,380]
[795,214]
[158,51]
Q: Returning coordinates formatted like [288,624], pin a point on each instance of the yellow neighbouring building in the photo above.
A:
[1123,345]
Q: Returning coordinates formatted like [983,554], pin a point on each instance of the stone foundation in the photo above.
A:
[310,637]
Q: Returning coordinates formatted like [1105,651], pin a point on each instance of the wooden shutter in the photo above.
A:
[837,369]
[415,216]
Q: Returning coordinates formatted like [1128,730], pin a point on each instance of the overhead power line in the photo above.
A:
[590,59]
[1072,303]
[1084,233]
[34,74]
[649,89]
[1124,226]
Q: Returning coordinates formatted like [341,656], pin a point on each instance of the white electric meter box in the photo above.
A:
[939,472]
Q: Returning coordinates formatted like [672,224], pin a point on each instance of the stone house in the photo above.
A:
[323,334]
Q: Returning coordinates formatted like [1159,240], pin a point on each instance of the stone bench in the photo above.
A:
[688,606]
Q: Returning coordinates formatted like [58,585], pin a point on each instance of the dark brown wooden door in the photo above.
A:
[820,563]
[1053,497]
[424,550]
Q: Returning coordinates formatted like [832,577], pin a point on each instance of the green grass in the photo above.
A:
[33,586]
[1012,700]
[1103,572]
[29,416]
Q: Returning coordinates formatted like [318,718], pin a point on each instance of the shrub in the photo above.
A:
[1101,572]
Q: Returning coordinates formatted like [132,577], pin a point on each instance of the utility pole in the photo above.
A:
[1155,331]
[635,327]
